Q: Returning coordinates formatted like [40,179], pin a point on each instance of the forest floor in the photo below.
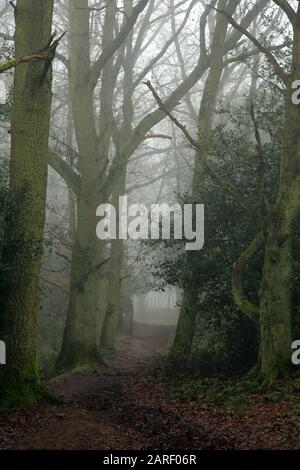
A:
[126,406]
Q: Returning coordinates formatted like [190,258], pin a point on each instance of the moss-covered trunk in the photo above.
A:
[28,182]
[277,282]
[275,317]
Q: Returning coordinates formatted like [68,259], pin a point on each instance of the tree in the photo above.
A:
[225,337]
[277,225]
[189,311]
[27,187]
[276,221]
[99,177]
[84,321]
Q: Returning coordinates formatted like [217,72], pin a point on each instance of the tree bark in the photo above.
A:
[80,342]
[28,181]
[277,285]
[108,339]
[185,329]
[114,297]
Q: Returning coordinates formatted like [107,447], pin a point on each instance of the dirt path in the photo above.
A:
[102,407]
[124,406]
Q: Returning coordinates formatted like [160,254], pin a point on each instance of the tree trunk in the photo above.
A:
[114,303]
[183,341]
[114,299]
[127,313]
[189,310]
[275,317]
[108,339]
[127,310]
[80,340]
[276,287]
[28,182]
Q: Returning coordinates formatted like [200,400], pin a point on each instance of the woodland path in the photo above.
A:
[111,408]
[124,406]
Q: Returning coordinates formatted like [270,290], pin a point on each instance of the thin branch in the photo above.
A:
[158,136]
[272,59]
[203,23]
[219,180]
[260,155]
[288,10]
[117,42]
[57,286]
[149,67]
[250,53]
[65,171]
[148,181]
[153,118]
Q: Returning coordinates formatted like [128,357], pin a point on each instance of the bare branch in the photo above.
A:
[65,171]
[117,42]
[260,155]
[272,59]
[222,182]
[57,286]
[166,46]
[158,136]
[288,10]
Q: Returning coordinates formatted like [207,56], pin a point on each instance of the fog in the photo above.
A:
[189,112]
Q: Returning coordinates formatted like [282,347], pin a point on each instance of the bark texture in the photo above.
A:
[28,181]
